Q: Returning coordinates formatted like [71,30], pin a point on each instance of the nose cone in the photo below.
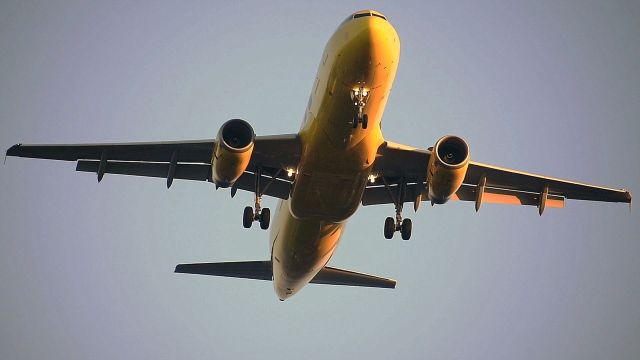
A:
[369,31]
[383,39]
[368,49]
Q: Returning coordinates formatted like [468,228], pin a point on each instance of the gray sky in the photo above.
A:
[86,269]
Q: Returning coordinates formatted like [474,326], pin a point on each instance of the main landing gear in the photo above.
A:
[257,213]
[392,225]
[359,97]
[263,216]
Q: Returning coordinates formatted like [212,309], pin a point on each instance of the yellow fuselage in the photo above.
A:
[336,157]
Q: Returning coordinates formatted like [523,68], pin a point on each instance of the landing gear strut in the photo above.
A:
[392,225]
[257,213]
[359,97]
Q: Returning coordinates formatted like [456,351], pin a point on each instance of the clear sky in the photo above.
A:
[551,87]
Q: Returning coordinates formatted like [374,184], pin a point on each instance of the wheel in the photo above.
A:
[405,230]
[247,217]
[265,217]
[365,121]
[389,227]
[355,121]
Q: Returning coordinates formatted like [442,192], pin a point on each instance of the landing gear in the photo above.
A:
[392,225]
[257,213]
[265,217]
[247,217]
[389,227]
[359,97]
[405,229]
[364,120]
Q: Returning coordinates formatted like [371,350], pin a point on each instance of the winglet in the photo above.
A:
[12,151]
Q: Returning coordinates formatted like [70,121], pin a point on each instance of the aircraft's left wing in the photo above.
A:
[398,164]
[190,160]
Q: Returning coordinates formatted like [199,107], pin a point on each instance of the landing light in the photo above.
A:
[290,172]
[372,179]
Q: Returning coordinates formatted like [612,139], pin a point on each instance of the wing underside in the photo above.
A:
[186,160]
[398,164]
[394,164]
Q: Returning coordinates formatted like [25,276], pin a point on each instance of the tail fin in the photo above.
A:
[262,270]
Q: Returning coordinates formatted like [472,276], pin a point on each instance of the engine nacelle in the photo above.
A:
[232,152]
[447,168]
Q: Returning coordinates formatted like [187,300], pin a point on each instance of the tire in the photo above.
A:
[389,227]
[355,121]
[365,121]
[405,231]
[247,217]
[265,218]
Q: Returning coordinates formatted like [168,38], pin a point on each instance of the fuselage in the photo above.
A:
[336,158]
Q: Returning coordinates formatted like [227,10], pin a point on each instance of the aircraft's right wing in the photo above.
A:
[189,160]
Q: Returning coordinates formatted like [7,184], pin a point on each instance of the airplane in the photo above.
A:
[337,161]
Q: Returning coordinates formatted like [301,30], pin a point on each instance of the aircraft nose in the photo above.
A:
[371,51]
[379,37]
[384,35]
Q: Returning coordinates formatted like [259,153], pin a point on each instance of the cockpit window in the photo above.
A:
[363,14]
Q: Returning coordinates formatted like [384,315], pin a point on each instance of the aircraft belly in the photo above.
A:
[337,157]
[327,196]
[300,249]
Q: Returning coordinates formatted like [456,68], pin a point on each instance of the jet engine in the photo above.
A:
[447,168]
[232,152]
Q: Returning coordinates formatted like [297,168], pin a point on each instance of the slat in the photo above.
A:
[198,151]
[278,151]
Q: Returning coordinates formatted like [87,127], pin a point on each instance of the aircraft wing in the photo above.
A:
[505,186]
[189,160]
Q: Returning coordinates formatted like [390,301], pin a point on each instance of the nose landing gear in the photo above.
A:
[359,97]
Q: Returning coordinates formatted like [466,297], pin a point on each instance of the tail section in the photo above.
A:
[262,270]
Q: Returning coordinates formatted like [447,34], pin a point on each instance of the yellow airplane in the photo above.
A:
[338,160]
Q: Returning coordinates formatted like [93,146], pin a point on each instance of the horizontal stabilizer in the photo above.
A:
[261,270]
[333,276]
